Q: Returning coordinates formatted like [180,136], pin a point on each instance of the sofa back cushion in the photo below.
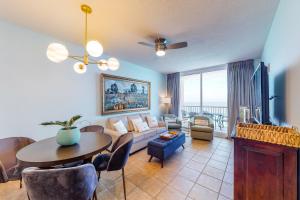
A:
[111,121]
[142,126]
[130,118]
[120,127]
[152,121]
[144,116]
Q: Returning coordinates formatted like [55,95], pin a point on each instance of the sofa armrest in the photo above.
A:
[3,175]
[211,125]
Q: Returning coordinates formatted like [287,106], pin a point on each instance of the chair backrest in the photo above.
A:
[169,116]
[93,128]
[77,183]
[9,148]
[121,149]
[203,117]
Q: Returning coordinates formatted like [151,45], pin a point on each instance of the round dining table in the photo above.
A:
[47,153]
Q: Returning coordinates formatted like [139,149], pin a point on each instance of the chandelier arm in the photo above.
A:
[78,58]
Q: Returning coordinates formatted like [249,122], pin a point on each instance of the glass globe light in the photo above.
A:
[113,64]
[79,67]
[160,53]
[57,52]
[94,48]
[102,65]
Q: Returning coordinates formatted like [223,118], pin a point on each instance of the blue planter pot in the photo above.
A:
[68,137]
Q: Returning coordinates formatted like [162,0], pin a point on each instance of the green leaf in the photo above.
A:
[72,120]
[57,123]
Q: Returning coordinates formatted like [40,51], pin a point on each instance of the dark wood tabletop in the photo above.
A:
[47,153]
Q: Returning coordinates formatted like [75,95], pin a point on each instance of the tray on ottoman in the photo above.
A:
[162,149]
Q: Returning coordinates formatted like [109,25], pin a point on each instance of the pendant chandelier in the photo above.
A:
[57,52]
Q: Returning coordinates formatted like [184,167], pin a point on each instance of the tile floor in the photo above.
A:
[201,171]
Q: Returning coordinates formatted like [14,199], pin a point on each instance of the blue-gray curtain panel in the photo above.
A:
[240,89]
[173,90]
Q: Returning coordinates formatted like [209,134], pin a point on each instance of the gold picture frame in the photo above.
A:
[121,94]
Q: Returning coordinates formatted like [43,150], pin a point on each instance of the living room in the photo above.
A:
[149,100]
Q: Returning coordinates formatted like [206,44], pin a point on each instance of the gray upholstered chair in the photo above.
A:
[200,131]
[74,183]
[172,121]
[117,159]
[9,168]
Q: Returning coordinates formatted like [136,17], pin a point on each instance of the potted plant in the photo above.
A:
[69,134]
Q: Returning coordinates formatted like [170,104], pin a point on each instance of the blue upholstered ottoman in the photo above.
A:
[162,149]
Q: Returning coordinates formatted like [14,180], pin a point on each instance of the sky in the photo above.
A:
[214,88]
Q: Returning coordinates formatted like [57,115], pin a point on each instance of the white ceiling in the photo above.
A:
[217,31]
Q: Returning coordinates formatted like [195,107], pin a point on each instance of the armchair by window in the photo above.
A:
[202,127]
[172,121]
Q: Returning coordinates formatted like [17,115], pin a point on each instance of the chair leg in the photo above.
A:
[21,182]
[99,175]
[124,186]
[95,195]
[150,159]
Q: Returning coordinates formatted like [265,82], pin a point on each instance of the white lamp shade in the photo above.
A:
[165,100]
[102,65]
[57,52]
[160,53]
[113,64]
[94,48]
[79,67]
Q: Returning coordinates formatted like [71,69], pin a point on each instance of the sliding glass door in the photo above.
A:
[205,93]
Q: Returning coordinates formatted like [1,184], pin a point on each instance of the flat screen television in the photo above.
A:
[260,81]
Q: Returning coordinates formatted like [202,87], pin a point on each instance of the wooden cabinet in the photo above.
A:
[264,171]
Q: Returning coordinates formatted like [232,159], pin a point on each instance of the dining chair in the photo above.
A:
[92,128]
[116,159]
[10,169]
[74,183]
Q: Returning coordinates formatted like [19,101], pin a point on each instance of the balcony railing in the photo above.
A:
[218,113]
[214,110]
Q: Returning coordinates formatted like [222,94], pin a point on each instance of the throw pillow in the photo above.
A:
[120,127]
[201,122]
[134,122]
[152,121]
[142,126]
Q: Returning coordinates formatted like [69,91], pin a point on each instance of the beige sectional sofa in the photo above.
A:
[140,139]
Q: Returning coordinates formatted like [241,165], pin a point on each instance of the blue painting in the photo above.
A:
[120,94]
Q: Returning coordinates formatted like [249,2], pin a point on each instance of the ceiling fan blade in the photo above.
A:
[177,45]
[146,44]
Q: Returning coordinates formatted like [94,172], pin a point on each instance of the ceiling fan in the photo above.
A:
[161,45]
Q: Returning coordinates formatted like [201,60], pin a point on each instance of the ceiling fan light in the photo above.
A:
[57,52]
[102,65]
[94,48]
[160,52]
[79,67]
[113,64]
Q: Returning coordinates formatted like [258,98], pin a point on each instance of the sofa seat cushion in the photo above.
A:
[137,137]
[205,129]
[150,133]
[160,130]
